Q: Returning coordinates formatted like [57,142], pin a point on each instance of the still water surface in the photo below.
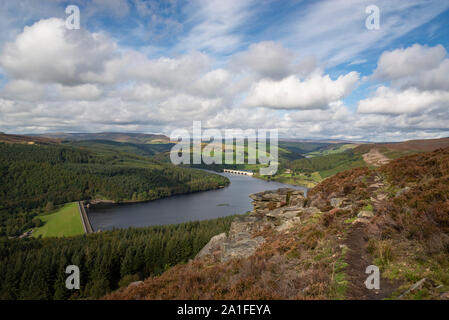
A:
[233,199]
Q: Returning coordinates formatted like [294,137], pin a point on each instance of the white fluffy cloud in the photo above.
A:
[47,63]
[144,92]
[423,67]
[408,62]
[81,92]
[168,72]
[267,59]
[315,92]
[61,80]
[419,77]
[23,90]
[391,101]
[48,52]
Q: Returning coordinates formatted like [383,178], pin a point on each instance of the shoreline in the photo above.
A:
[184,207]
[100,202]
[255,175]
[308,186]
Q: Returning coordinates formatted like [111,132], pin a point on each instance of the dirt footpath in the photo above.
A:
[375,158]
[358,259]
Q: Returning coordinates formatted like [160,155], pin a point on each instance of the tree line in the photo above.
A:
[34,175]
[322,163]
[35,268]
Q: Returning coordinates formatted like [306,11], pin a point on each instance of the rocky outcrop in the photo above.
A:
[269,200]
[426,284]
[338,202]
[244,247]
[365,214]
[213,246]
[279,209]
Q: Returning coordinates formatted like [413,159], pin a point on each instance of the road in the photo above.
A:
[85,219]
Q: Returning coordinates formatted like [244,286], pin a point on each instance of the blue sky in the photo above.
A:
[309,68]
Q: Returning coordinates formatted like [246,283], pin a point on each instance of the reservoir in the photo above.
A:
[233,199]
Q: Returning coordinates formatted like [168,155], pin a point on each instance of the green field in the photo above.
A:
[321,161]
[64,222]
[333,149]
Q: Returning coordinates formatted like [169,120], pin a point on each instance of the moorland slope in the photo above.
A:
[395,217]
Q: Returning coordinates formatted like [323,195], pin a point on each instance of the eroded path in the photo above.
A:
[358,260]
[358,257]
[375,158]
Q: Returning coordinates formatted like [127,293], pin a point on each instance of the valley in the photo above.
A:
[222,153]
[317,247]
[307,234]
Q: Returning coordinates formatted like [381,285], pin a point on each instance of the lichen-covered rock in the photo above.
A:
[290,214]
[280,209]
[240,249]
[274,197]
[297,200]
[311,210]
[365,214]
[288,224]
[339,202]
[318,201]
[244,225]
[213,245]
[361,220]
[264,202]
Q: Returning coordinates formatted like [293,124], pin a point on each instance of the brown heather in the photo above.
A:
[325,256]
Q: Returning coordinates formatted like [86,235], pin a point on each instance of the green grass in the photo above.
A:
[350,220]
[325,161]
[64,222]
[340,282]
[298,179]
[356,162]
[333,149]
[304,147]
[311,171]
[396,154]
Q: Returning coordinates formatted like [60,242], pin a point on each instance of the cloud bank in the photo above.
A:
[56,79]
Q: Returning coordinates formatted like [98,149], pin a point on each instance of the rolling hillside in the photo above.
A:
[111,147]
[408,146]
[332,159]
[15,138]
[35,175]
[394,217]
[139,138]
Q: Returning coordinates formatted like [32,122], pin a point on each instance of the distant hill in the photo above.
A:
[328,159]
[114,147]
[14,138]
[141,138]
[411,145]
[323,141]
